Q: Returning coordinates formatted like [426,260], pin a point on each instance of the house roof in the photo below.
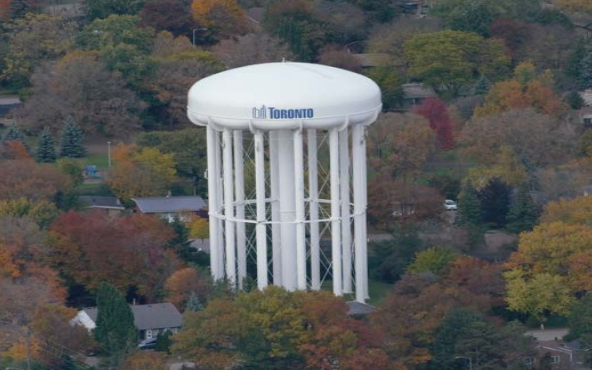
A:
[372,59]
[170,204]
[150,316]
[65,10]
[102,202]
[359,308]
[7,103]
[417,90]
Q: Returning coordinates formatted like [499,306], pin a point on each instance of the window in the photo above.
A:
[528,361]
[148,334]
[555,359]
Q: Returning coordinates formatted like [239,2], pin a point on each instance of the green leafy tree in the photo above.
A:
[163,342]
[72,141]
[390,85]
[469,207]
[116,30]
[193,303]
[469,15]
[523,214]
[104,8]
[72,168]
[388,259]
[447,60]
[585,143]
[579,322]
[435,260]
[585,77]
[45,148]
[115,330]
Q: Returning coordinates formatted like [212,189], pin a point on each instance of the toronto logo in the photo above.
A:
[275,113]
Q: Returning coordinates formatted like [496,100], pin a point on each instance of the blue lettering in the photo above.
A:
[310,113]
[261,113]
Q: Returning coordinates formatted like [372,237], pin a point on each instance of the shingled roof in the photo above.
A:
[170,204]
[150,316]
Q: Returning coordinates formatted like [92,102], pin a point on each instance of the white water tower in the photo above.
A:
[287,173]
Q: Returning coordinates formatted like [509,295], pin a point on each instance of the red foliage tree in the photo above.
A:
[435,111]
[127,252]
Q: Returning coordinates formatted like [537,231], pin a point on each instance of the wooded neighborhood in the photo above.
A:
[479,182]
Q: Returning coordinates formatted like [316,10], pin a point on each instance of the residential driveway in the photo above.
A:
[547,334]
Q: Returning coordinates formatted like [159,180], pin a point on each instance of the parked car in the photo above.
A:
[148,343]
[450,205]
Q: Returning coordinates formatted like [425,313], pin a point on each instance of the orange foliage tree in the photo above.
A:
[224,17]
[182,283]
[26,179]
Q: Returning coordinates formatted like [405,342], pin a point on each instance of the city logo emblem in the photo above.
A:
[260,113]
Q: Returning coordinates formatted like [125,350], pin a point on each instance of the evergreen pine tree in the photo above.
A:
[193,304]
[586,69]
[45,148]
[495,203]
[482,86]
[115,330]
[72,141]
[469,207]
[523,213]
[14,133]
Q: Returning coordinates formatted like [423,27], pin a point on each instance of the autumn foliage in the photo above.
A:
[91,247]
[435,111]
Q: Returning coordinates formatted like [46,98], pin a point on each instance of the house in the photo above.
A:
[554,352]
[415,93]
[69,11]
[7,104]
[171,207]
[110,205]
[149,319]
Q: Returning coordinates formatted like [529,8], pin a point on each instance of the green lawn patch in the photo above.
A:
[377,289]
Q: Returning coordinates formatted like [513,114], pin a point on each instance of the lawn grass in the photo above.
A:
[377,291]
[101,160]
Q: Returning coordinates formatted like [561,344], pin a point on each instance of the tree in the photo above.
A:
[585,63]
[115,330]
[400,144]
[294,22]
[435,111]
[579,321]
[574,211]
[447,60]
[145,172]
[482,86]
[199,228]
[127,252]
[279,329]
[433,260]
[45,148]
[42,212]
[182,284]
[252,48]
[523,213]
[388,259]
[174,76]
[116,30]
[163,342]
[104,8]
[73,169]
[536,139]
[35,39]
[168,15]
[72,141]
[575,101]
[26,179]
[14,133]
[469,207]
[542,294]
[81,88]
[495,203]
[469,16]
[222,17]
[390,84]
[339,58]
[188,149]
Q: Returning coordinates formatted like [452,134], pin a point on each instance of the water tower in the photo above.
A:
[287,174]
